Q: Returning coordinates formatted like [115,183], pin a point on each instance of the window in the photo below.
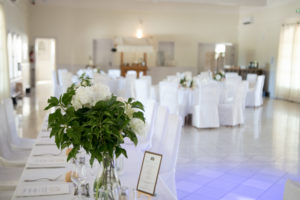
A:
[165,55]
[14,47]
[288,67]
[4,78]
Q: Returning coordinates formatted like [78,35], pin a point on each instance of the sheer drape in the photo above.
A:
[288,68]
[4,70]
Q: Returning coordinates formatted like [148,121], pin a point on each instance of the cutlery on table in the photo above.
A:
[48,179]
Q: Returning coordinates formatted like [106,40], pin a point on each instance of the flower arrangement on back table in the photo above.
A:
[219,76]
[88,116]
[187,82]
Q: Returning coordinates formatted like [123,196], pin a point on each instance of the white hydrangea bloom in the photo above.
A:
[129,110]
[121,99]
[89,96]
[138,126]
[100,92]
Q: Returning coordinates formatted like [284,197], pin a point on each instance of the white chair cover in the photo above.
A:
[254,95]
[8,156]
[131,72]
[291,190]
[160,121]
[114,73]
[205,75]
[126,87]
[15,140]
[169,145]
[150,113]
[173,79]
[230,89]
[106,80]
[231,74]
[60,73]
[65,79]
[142,90]
[154,93]
[9,178]
[7,194]
[232,113]
[245,91]
[205,113]
[148,79]
[57,89]
[236,78]
[168,97]
[251,78]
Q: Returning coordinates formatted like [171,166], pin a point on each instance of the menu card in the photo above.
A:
[149,173]
[40,189]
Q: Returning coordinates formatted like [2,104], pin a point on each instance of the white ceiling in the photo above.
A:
[215,2]
[219,2]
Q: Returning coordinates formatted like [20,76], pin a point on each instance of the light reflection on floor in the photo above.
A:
[246,162]
[252,161]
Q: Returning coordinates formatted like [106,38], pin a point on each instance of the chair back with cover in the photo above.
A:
[142,90]
[160,121]
[114,73]
[251,78]
[259,89]
[231,74]
[168,95]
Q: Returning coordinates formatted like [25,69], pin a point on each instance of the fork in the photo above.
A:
[48,154]
[49,179]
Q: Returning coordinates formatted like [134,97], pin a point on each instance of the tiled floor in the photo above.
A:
[248,162]
[252,161]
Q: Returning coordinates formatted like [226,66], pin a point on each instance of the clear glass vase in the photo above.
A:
[107,184]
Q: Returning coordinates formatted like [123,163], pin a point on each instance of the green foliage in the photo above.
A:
[85,80]
[99,130]
[185,83]
[221,74]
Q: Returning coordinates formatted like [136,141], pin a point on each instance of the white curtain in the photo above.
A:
[288,68]
[4,70]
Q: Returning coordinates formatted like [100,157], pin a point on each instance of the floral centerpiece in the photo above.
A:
[89,117]
[187,82]
[219,76]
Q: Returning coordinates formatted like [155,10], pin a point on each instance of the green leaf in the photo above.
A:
[138,105]
[52,102]
[139,115]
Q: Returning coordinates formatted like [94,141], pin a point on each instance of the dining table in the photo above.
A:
[43,177]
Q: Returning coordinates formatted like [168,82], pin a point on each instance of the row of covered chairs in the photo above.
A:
[14,150]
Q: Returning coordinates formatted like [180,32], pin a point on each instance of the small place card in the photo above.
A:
[149,173]
[41,189]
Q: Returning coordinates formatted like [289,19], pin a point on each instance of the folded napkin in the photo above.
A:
[47,150]
[42,189]
[47,162]
[45,133]
[45,141]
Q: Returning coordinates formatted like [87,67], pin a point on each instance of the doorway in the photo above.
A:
[103,56]
[45,59]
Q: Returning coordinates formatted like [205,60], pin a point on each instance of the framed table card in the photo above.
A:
[149,173]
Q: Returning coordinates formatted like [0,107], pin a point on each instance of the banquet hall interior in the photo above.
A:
[208,89]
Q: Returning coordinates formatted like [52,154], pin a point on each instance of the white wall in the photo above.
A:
[260,40]
[17,15]
[75,25]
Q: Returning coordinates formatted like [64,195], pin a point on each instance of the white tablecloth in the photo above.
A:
[128,177]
